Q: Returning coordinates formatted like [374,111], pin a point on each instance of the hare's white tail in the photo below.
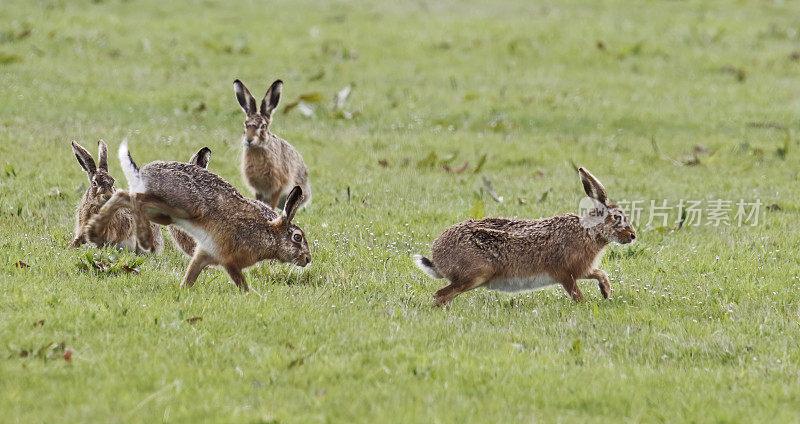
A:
[426,266]
[130,169]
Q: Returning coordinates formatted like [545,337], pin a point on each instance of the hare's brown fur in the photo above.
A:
[119,230]
[516,255]
[229,229]
[182,239]
[271,166]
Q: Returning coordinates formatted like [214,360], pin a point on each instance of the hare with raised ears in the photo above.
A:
[119,231]
[182,239]
[229,229]
[270,165]
[514,255]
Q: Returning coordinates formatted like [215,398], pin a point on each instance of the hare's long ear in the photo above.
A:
[271,99]
[293,202]
[246,100]
[592,186]
[102,155]
[201,158]
[84,158]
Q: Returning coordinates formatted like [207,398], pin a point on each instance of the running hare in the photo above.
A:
[119,231]
[230,230]
[270,165]
[181,238]
[514,255]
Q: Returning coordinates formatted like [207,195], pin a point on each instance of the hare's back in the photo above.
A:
[182,183]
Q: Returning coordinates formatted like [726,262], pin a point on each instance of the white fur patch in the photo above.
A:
[430,272]
[135,183]
[203,239]
[521,284]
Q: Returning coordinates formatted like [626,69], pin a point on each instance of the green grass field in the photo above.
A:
[661,100]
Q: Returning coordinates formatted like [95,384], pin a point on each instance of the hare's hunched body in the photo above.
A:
[270,165]
[119,231]
[229,229]
[515,255]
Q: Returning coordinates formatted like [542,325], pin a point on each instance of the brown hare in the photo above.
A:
[271,166]
[514,255]
[119,231]
[182,239]
[230,230]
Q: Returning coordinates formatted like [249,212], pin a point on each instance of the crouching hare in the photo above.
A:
[270,165]
[514,255]
[119,231]
[229,229]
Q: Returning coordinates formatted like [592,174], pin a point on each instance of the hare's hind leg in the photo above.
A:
[602,278]
[199,261]
[444,296]
[144,236]
[146,207]
[96,226]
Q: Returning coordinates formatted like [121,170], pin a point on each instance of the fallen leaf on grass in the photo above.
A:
[694,161]
[383,162]
[429,160]
[701,149]
[38,323]
[739,73]
[773,207]
[318,76]
[487,186]
[68,354]
[458,170]
[20,264]
[306,110]
[8,58]
[545,194]
[297,362]
[314,97]
[341,97]
[194,320]
[127,268]
[481,162]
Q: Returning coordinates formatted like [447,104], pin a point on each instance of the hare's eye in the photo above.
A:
[297,238]
[617,219]
[94,184]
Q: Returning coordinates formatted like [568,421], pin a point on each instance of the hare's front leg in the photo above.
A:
[78,241]
[275,200]
[602,278]
[572,288]
[237,277]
